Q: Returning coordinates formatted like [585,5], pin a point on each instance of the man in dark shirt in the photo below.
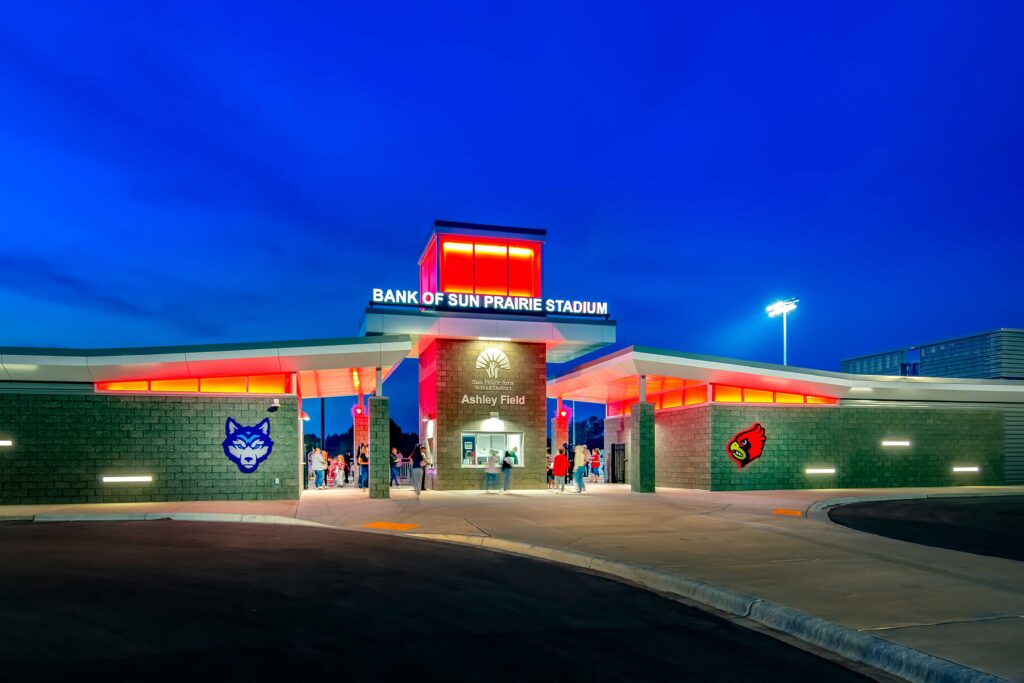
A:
[348,465]
[418,469]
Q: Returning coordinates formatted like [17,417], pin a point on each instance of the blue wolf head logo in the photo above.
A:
[247,447]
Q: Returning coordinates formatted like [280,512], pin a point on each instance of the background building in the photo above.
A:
[998,354]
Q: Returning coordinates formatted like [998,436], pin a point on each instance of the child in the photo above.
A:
[332,469]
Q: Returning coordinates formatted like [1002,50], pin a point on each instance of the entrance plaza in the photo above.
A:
[773,545]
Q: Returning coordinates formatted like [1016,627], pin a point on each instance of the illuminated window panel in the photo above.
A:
[457,267]
[523,271]
[122,386]
[222,385]
[174,385]
[782,397]
[821,400]
[758,396]
[428,268]
[270,384]
[727,394]
[490,263]
[672,399]
[695,395]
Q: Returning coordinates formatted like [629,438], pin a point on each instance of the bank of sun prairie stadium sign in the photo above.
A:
[487,302]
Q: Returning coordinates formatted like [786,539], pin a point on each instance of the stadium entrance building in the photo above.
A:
[224,421]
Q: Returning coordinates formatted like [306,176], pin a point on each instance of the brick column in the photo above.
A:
[641,448]
[360,430]
[380,445]
[559,433]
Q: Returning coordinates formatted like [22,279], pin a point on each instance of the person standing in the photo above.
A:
[309,468]
[319,465]
[559,466]
[506,471]
[332,466]
[491,472]
[364,467]
[348,465]
[568,455]
[393,464]
[418,463]
[595,465]
[550,476]
[579,471]
[339,471]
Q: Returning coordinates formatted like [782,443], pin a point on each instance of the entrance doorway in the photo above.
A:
[617,464]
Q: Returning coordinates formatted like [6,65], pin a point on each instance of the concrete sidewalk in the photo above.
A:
[963,608]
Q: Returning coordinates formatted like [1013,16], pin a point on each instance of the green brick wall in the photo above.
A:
[63,444]
[849,439]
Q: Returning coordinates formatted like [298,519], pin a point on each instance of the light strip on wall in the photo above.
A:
[505,339]
[902,444]
[6,442]
[120,480]
[820,470]
[973,468]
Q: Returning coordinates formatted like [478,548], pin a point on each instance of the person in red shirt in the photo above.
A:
[595,464]
[560,467]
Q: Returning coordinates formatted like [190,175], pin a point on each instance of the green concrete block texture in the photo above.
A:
[849,439]
[380,447]
[64,444]
[642,460]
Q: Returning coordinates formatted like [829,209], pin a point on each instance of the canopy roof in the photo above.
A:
[615,377]
[325,367]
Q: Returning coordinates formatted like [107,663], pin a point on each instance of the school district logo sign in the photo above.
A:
[247,447]
[492,361]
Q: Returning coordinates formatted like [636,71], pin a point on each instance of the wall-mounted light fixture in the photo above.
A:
[820,470]
[966,468]
[275,406]
[896,444]
[493,424]
[304,416]
[6,442]
[139,478]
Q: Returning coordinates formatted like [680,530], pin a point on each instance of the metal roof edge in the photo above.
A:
[198,348]
[742,365]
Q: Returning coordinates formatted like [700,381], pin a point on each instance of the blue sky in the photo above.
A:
[215,172]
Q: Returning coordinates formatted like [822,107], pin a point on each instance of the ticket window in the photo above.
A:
[476,446]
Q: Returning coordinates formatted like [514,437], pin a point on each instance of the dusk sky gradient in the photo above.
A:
[217,172]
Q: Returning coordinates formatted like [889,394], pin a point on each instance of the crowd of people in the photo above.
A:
[326,471]
[584,466]
[579,467]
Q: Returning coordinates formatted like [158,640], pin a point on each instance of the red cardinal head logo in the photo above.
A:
[747,446]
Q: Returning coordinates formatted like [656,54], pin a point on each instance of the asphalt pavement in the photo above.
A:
[172,600]
[992,526]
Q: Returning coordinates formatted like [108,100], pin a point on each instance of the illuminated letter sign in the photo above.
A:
[488,302]
[747,446]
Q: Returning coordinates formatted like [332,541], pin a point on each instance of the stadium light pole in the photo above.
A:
[783,308]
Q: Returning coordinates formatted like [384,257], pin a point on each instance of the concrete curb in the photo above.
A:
[899,660]
[821,507]
[176,516]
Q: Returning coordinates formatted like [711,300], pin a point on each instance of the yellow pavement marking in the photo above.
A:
[390,526]
[788,512]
